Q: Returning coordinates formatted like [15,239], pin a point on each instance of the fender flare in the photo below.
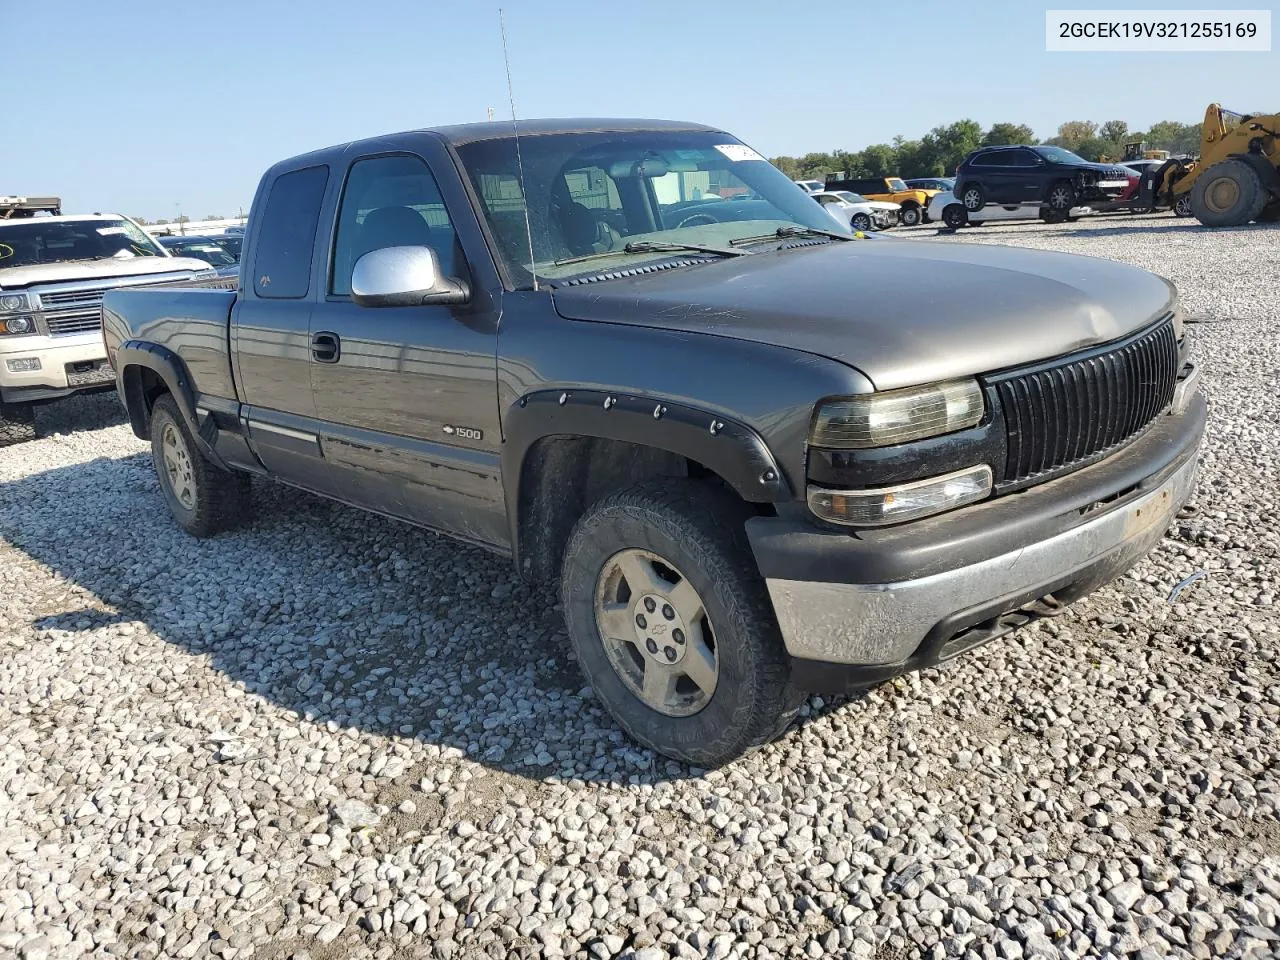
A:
[172,371]
[1268,174]
[732,450]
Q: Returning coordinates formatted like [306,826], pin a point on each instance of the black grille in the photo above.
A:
[1061,416]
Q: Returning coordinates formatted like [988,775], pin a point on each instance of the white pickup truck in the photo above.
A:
[54,271]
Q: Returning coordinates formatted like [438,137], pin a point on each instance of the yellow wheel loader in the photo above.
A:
[1236,179]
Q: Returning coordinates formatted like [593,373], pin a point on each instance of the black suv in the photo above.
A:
[1049,175]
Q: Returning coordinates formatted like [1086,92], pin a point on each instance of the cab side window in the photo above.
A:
[392,202]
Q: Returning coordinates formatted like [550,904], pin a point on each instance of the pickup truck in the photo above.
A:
[53,271]
[747,467]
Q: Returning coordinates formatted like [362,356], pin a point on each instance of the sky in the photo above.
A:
[159,108]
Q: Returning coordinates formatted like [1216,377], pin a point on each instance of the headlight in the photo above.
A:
[13,302]
[896,416]
[898,504]
[17,325]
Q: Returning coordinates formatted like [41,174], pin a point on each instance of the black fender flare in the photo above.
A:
[730,449]
[172,371]
[1268,174]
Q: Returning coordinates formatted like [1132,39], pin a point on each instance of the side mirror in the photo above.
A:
[403,277]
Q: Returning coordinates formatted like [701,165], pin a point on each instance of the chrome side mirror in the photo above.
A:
[404,277]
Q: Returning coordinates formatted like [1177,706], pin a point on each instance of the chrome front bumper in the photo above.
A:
[886,623]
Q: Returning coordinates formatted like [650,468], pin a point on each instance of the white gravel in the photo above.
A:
[328,735]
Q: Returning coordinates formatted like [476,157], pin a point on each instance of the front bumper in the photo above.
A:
[857,609]
[67,365]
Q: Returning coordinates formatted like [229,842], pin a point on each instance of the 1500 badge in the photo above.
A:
[465,433]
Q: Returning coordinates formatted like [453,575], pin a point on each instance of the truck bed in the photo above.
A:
[191,322]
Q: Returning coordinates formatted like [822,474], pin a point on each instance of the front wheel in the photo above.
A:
[1062,197]
[954,216]
[1182,206]
[861,222]
[203,498]
[909,215]
[672,623]
[1229,194]
[17,423]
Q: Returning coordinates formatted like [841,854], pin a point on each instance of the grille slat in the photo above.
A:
[1059,416]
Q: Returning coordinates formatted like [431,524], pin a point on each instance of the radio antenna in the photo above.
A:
[515,128]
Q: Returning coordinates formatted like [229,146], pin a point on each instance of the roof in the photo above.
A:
[463,133]
[471,132]
[65,218]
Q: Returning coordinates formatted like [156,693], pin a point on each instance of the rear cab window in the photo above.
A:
[285,246]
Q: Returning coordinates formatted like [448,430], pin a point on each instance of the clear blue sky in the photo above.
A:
[139,107]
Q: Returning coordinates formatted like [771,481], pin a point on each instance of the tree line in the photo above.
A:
[939,152]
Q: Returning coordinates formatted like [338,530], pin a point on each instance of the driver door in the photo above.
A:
[406,397]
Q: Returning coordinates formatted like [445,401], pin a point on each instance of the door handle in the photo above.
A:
[326,347]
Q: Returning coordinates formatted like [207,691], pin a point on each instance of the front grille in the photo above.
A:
[72,298]
[64,322]
[1061,416]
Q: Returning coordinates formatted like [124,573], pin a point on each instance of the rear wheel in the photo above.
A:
[203,498]
[861,221]
[1228,194]
[672,624]
[973,198]
[1182,206]
[909,215]
[954,216]
[17,423]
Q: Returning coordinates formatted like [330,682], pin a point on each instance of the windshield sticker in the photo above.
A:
[112,231]
[737,152]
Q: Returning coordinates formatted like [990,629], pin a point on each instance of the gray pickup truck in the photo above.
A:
[633,357]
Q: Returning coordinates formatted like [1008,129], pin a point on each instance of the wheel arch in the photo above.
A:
[147,371]
[563,450]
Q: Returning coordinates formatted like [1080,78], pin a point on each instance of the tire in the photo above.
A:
[17,423]
[1049,215]
[861,221]
[909,215]
[693,534]
[973,197]
[954,216]
[203,498]
[1270,213]
[1228,194]
[1061,196]
[1182,206]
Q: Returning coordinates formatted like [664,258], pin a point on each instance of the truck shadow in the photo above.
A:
[86,411]
[340,616]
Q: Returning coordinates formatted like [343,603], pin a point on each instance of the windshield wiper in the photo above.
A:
[795,230]
[655,246]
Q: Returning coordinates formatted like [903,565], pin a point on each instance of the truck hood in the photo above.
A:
[902,312]
[19,277]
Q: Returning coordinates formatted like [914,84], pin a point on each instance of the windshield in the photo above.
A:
[850,197]
[28,243]
[1059,155]
[896,185]
[231,244]
[208,251]
[592,193]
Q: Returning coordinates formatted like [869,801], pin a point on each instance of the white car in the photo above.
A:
[948,209]
[810,186]
[857,211]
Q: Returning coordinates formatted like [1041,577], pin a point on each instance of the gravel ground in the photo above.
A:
[328,735]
